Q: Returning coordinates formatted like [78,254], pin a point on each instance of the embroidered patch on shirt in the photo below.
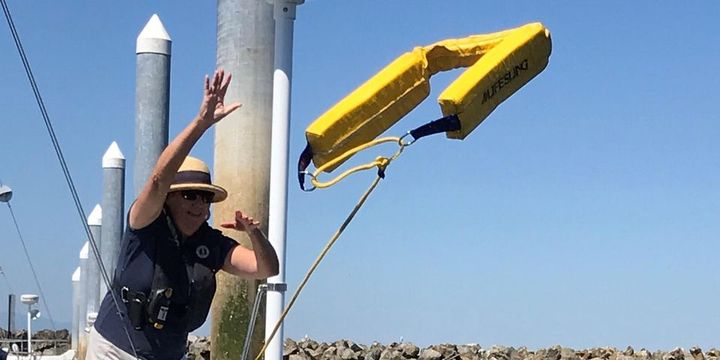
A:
[202,251]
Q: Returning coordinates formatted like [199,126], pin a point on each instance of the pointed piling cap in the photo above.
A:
[76,275]
[154,38]
[113,158]
[95,218]
[85,251]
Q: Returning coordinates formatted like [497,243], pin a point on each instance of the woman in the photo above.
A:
[165,278]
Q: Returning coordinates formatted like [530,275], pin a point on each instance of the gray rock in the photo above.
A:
[583,354]
[568,354]
[520,353]
[554,353]
[697,353]
[549,354]
[290,348]
[675,354]
[430,354]
[629,351]
[308,344]
[297,357]
[643,354]
[198,348]
[409,350]
[311,353]
[391,354]
[355,347]
[470,352]
[603,353]
[373,353]
[498,353]
[329,352]
[448,351]
[347,354]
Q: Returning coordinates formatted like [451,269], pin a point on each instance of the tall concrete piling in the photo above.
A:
[113,163]
[245,33]
[152,98]
[76,310]
[94,283]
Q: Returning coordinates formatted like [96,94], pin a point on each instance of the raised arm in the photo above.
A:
[149,202]
[259,263]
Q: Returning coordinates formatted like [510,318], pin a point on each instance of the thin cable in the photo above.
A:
[32,268]
[63,164]
[315,264]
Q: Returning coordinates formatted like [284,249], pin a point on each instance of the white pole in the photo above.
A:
[284,14]
[29,334]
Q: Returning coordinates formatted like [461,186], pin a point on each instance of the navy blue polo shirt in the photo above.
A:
[135,268]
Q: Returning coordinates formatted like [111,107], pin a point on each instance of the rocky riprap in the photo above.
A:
[45,342]
[308,349]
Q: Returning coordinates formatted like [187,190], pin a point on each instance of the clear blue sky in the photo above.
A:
[583,212]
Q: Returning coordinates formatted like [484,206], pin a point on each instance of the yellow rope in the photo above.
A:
[325,250]
[378,162]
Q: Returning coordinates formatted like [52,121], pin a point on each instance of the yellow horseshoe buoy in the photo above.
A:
[498,65]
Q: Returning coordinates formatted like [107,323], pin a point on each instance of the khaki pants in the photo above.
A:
[99,348]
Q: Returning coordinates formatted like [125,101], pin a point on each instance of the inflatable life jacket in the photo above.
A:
[199,282]
[498,65]
[181,291]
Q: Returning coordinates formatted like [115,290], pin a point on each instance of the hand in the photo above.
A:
[213,108]
[242,223]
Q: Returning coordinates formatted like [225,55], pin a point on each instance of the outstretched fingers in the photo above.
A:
[217,80]
[219,83]
[213,108]
[242,222]
[224,86]
[232,107]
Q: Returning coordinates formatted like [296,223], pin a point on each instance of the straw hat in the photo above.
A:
[195,175]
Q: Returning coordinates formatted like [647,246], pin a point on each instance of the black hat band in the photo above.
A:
[192,177]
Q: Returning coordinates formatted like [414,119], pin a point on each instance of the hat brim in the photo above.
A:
[220,193]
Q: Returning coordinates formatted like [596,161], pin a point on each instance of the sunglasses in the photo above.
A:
[192,195]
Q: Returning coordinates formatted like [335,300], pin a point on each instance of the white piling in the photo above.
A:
[79,323]
[94,285]
[76,310]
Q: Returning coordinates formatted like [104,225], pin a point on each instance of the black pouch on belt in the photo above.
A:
[135,301]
